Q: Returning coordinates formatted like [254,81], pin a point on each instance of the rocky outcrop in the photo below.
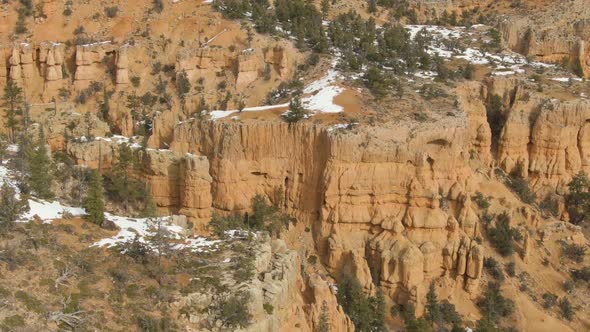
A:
[248,64]
[89,62]
[277,277]
[552,35]
[546,140]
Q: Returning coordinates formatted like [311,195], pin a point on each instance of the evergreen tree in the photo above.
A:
[183,86]
[418,325]
[578,199]
[11,102]
[12,207]
[323,324]
[296,110]
[3,147]
[160,238]
[94,203]
[325,7]
[372,6]
[120,186]
[433,313]
[378,308]
[39,162]
[367,313]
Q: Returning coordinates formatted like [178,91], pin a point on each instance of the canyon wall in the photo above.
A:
[552,35]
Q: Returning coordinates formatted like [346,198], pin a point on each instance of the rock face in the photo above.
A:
[552,35]
[276,278]
[389,203]
[397,207]
[89,65]
[544,139]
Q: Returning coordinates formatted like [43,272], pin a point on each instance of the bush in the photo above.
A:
[568,286]
[111,11]
[511,269]
[549,300]
[574,252]
[493,305]
[502,234]
[521,187]
[232,310]
[268,308]
[481,201]
[312,259]
[135,81]
[493,268]
[567,311]
[582,274]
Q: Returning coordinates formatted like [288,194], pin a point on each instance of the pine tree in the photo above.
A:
[433,313]
[94,203]
[323,324]
[11,100]
[121,188]
[160,238]
[372,6]
[325,6]
[296,110]
[39,164]
[12,207]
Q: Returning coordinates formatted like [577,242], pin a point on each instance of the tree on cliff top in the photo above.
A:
[296,111]
[578,199]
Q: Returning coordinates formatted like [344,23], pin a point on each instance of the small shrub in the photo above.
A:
[568,286]
[481,201]
[67,11]
[521,187]
[574,252]
[567,311]
[582,274]
[549,300]
[502,235]
[112,11]
[268,308]
[493,268]
[135,81]
[511,269]
[312,259]
[232,310]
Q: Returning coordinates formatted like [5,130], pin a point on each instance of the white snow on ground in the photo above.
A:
[48,211]
[509,62]
[342,126]
[218,114]
[566,79]
[322,93]
[143,228]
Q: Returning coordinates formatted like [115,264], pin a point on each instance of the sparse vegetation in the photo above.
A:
[367,313]
[574,252]
[577,199]
[502,235]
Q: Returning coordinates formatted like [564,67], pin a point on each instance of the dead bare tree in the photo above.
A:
[71,319]
[65,274]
